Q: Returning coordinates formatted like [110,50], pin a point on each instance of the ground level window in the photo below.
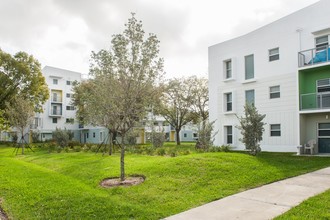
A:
[54,120]
[275,130]
[229,134]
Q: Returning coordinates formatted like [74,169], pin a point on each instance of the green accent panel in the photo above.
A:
[307,84]
[308,78]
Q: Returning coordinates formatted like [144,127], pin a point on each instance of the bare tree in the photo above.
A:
[20,113]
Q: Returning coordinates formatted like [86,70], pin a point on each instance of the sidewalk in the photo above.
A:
[265,202]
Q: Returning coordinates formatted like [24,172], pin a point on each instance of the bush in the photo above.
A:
[93,148]
[51,147]
[58,149]
[160,152]
[158,139]
[225,148]
[71,144]
[61,137]
[149,151]
[35,136]
[77,148]
[172,153]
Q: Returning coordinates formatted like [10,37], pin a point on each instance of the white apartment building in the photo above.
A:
[282,68]
[58,111]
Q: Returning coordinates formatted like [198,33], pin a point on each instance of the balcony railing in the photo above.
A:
[314,56]
[56,112]
[56,99]
[315,101]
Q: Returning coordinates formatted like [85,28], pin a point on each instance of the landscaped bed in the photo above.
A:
[44,185]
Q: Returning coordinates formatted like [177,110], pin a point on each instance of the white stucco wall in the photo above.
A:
[311,22]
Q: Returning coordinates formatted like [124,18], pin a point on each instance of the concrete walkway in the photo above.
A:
[265,202]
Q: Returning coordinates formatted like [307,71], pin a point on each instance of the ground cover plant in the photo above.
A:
[43,185]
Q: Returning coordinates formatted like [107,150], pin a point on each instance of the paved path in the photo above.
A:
[265,202]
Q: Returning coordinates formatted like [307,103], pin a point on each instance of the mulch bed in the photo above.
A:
[129,181]
[3,215]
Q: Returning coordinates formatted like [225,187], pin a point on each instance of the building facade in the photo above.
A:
[283,69]
[59,112]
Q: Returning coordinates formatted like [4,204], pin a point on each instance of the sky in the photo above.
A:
[62,33]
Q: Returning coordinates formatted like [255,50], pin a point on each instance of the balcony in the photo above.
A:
[314,56]
[315,101]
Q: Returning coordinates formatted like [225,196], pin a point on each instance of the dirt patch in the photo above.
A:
[3,215]
[129,181]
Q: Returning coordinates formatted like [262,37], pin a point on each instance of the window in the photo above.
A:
[229,134]
[321,43]
[156,123]
[249,97]
[93,134]
[70,120]
[323,85]
[274,92]
[275,130]
[54,120]
[87,135]
[249,67]
[229,102]
[68,95]
[185,135]
[195,135]
[68,82]
[228,66]
[101,136]
[274,54]
[70,107]
[55,81]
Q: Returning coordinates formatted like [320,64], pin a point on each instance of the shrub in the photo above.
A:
[71,144]
[225,148]
[149,151]
[93,148]
[58,149]
[160,152]
[51,147]
[158,139]
[172,153]
[77,148]
[35,136]
[61,137]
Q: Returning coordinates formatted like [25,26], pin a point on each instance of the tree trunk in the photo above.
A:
[110,142]
[122,159]
[177,131]
[22,139]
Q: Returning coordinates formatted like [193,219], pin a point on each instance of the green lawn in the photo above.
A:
[317,207]
[66,185]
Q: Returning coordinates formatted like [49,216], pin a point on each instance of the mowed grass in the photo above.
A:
[317,207]
[40,185]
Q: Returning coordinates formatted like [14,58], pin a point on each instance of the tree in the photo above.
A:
[251,127]
[175,105]
[123,83]
[20,113]
[205,135]
[20,76]
[200,96]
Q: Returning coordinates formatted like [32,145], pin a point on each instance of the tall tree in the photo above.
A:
[200,96]
[123,82]
[20,76]
[176,104]
[251,127]
[20,113]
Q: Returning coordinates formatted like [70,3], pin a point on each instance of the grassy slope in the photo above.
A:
[65,186]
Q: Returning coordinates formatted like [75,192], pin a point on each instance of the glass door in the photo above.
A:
[324,137]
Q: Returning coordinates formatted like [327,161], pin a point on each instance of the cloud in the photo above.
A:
[63,33]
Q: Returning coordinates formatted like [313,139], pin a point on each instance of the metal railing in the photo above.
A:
[314,56]
[315,101]
[56,99]
[56,112]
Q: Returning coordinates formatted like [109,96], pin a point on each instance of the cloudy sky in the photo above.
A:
[62,33]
